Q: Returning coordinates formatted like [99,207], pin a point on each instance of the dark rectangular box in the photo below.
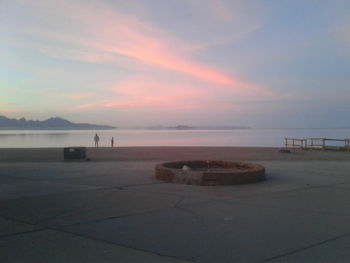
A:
[74,153]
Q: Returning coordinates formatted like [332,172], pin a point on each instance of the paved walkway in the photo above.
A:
[117,212]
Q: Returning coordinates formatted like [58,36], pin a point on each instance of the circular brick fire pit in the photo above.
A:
[210,172]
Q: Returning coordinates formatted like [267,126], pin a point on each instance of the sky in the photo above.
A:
[256,63]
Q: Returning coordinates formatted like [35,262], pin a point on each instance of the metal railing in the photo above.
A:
[317,143]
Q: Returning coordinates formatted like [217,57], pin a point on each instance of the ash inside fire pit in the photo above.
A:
[210,172]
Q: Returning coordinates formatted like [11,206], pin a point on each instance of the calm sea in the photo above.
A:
[124,137]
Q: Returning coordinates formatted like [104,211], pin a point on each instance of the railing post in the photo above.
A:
[323,144]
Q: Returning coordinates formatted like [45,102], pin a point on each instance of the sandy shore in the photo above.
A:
[171,153]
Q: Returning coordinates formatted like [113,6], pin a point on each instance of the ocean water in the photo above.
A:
[124,137]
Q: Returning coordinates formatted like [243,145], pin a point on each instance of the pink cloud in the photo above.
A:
[146,92]
[98,33]
[179,89]
[149,45]
[83,107]
[123,105]
[161,102]
[167,60]
[80,96]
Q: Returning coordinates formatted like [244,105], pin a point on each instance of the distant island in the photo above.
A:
[49,124]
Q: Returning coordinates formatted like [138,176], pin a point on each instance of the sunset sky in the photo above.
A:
[267,63]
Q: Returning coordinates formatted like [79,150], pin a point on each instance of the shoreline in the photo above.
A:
[165,153]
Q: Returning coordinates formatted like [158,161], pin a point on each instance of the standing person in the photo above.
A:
[112,142]
[96,139]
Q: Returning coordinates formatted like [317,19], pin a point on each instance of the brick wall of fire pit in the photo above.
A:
[210,172]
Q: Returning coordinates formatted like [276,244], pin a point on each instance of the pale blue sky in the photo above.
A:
[196,62]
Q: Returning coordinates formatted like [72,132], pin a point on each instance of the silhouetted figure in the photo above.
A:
[96,139]
[112,142]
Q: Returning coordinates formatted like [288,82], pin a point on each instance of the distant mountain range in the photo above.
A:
[49,124]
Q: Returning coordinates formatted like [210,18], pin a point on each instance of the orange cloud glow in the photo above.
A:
[8,111]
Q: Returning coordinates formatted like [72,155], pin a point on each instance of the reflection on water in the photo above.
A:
[123,137]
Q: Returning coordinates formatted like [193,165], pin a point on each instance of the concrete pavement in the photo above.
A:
[117,212]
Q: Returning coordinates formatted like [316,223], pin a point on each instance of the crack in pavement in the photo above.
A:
[305,248]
